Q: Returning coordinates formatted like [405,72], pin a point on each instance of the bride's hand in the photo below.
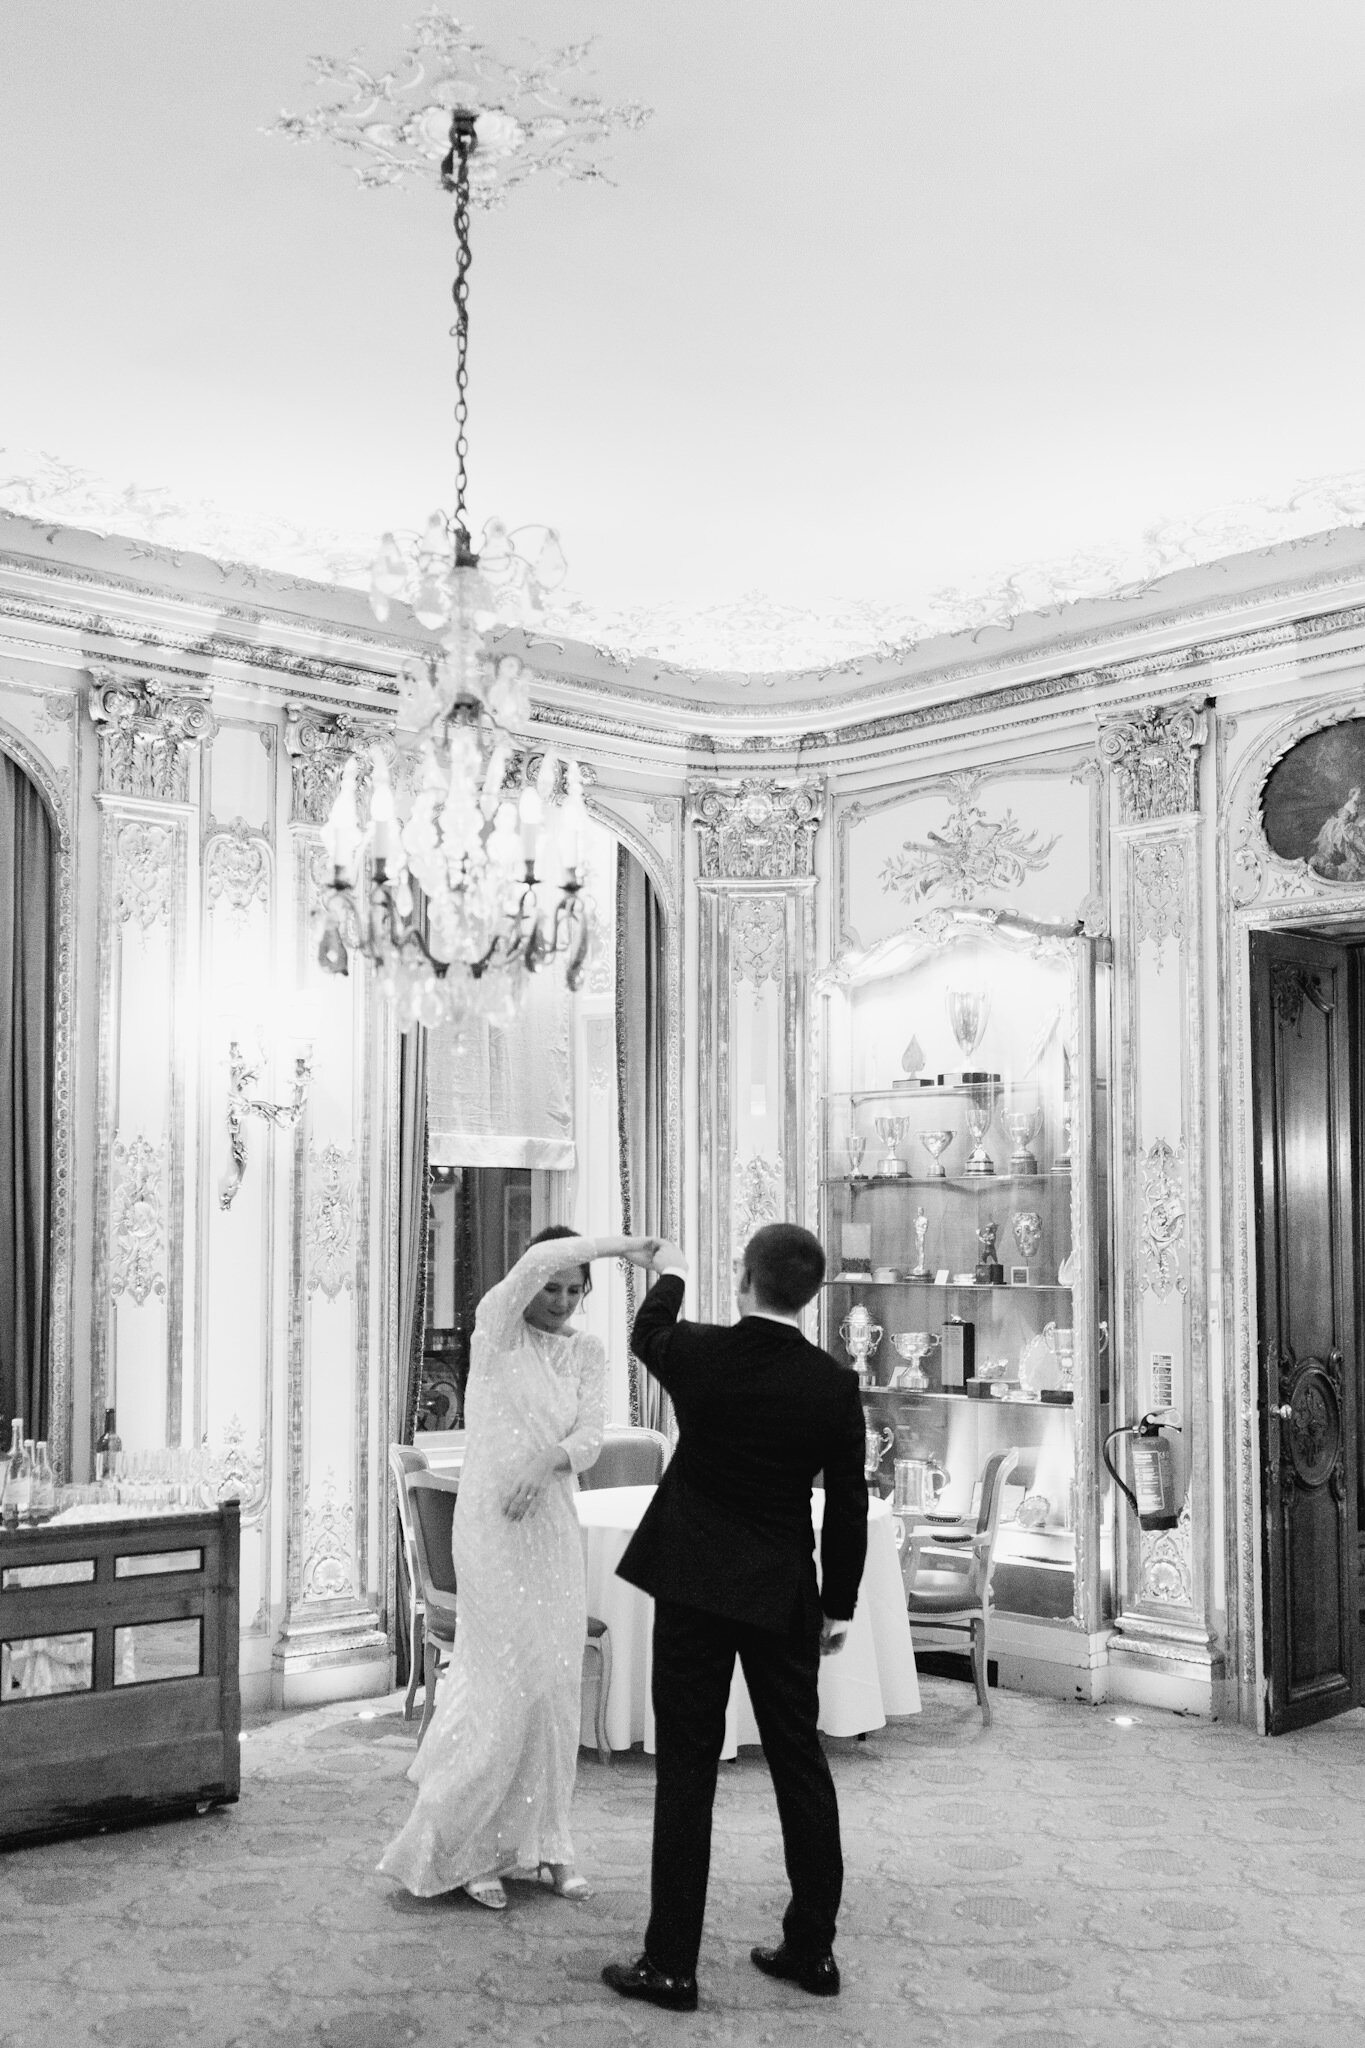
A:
[529,1484]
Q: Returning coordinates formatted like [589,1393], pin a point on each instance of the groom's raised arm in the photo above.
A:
[656,1325]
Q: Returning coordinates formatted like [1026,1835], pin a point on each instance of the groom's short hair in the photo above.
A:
[785,1265]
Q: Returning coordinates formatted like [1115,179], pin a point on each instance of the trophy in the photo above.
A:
[980,1110]
[876,1444]
[935,1144]
[1062,1162]
[919,1271]
[913,1345]
[856,1148]
[1026,1226]
[912,1059]
[861,1337]
[969,1011]
[1021,1118]
[1062,1345]
[989,1271]
[891,1129]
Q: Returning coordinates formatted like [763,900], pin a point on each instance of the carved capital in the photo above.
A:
[1154,761]
[319,744]
[147,734]
[753,829]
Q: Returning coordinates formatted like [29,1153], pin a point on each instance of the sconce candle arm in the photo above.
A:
[242,1077]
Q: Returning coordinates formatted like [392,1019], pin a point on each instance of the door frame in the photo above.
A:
[1259,892]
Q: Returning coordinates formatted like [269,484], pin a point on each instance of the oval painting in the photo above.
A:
[1313,803]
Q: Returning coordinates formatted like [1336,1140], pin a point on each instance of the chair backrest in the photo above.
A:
[431,1498]
[628,1457]
[997,1471]
[405,1459]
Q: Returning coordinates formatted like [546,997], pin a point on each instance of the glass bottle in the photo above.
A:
[19,1483]
[9,1475]
[107,1450]
[43,1498]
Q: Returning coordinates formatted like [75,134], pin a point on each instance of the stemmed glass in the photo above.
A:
[856,1148]
[936,1144]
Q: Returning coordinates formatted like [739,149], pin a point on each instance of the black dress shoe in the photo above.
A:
[817,1974]
[642,1980]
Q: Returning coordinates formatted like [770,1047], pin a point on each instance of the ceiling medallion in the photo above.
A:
[530,117]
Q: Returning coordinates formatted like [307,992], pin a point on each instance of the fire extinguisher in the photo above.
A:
[1152,1494]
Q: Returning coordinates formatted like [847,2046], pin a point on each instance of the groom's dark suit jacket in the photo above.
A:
[760,1412]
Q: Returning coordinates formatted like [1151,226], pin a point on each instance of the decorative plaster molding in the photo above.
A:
[236,1471]
[758,935]
[1167,1563]
[970,856]
[147,734]
[1158,872]
[329,1248]
[599,1034]
[319,744]
[1162,1243]
[1154,758]
[1255,870]
[237,869]
[144,874]
[328,1543]
[756,1191]
[756,829]
[137,1224]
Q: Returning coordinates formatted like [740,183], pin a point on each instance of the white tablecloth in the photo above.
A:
[870,1681]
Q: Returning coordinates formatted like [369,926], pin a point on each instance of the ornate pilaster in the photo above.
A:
[1164,1578]
[756,885]
[332,1640]
[150,739]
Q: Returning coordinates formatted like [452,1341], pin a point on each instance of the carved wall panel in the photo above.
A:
[1165,1579]
[757,941]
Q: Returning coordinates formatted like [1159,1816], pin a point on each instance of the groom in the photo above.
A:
[726,1548]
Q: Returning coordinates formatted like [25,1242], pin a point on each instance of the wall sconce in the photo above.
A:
[243,1074]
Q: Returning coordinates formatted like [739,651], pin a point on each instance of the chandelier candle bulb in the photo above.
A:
[532,814]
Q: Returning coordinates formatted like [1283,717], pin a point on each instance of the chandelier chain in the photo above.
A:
[455,178]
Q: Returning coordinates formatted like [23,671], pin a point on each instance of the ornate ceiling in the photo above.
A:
[884,328]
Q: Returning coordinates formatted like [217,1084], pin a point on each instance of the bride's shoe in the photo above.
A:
[488,1891]
[565,1883]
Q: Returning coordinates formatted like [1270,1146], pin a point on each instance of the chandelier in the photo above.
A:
[481,883]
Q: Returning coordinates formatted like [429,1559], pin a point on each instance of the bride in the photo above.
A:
[496,1770]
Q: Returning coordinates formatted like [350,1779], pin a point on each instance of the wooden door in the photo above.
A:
[1305,1225]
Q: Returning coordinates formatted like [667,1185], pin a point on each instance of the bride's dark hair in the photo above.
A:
[552,1230]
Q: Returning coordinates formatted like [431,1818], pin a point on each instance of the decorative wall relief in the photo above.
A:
[756,1193]
[330,1228]
[137,1223]
[147,733]
[1163,1220]
[973,855]
[1154,757]
[235,1471]
[754,829]
[758,933]
[1158,871]
[600,1041]
[237,869]
[1166,1563]
[328,1543]
[144,874]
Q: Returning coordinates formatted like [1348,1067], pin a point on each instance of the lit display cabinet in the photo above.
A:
[965,1182]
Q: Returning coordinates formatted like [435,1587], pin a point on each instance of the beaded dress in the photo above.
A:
[496,1770]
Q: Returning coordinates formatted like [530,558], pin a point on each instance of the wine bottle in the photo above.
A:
[107,1449]
[19,1485]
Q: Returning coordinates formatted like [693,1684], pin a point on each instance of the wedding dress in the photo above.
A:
[496,1771]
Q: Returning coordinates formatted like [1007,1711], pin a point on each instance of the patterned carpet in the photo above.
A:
[1059,1882]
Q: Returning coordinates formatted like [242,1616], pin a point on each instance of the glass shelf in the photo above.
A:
[953,1286]
[1059,1176]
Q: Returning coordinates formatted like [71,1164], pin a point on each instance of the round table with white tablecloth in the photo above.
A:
[870,1681]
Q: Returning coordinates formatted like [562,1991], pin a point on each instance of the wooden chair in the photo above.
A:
[404,1459]
[431,1497]
[948,1572]
[629,1457]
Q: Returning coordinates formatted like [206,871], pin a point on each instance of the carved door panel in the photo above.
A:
[1305,1225]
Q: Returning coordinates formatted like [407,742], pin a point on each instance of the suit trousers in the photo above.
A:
[694,1661]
